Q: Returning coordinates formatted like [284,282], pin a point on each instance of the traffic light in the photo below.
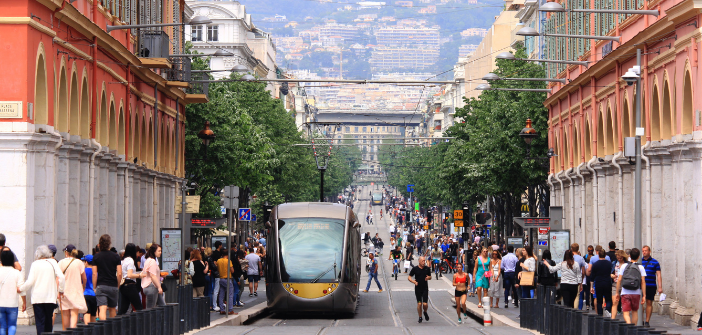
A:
[482,218]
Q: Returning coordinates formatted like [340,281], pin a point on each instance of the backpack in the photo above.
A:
[631,279]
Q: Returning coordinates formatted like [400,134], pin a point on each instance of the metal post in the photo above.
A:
[229,262]
[321,185]
[637,197]
[184,204]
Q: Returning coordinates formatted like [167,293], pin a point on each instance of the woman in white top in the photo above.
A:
[10,280]
[495,290]
[529,265]
[72,300]
[130,289]
[44,274]
[571,278]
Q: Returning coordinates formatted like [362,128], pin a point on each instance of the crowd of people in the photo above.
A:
[105,283]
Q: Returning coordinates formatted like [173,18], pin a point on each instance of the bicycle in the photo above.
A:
[437,264]
[446,265]
[395,267]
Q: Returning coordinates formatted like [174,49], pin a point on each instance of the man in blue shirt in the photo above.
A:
[509,263]
[654,281]
[262,241]
[373,273]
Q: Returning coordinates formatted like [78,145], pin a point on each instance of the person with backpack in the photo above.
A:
[631,276]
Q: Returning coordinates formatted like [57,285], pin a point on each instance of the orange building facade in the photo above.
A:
[91,136]
[590,116]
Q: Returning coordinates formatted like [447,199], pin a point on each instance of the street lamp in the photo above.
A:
[492,76]
[528,31]
[206,135]
[554,7]
[510,56]
[198,20]
[237,68]
[487,87]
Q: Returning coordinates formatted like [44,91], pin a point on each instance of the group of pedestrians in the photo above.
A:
[247,263]
[78,284]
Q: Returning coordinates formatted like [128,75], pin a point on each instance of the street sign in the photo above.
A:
[516,242]
[532,222]
[231,192]
[410,188]
[543,233]
[458,214]
[426,227]
[253,217]
[223,209]
[231,203]
[457,223]
[193,205]
[207,223]
[244,214]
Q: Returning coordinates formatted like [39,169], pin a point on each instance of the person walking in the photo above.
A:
[571,277]
[654,281]
[496,287]
[546,278]
[631,278]
[241,276]
[72,302]
[421,274]
[373,273]
[460,282]
[89,292]
[254,273]
[44,274]
[481,273]
[509,264]
[224,265]
[109,269]
[601,282]
[529,265]
[10,280]
[216,255]
[471,265]
[129,290]
[199,271]
[151,278]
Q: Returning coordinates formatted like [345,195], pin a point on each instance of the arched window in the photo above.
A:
[61,112]
[667,124]
[688,113]
[655,116]
[74,116]
[85,115]
[600,134]
[41,92]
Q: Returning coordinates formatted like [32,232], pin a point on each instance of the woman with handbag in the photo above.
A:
[72,301]
[10,280]
[129,289]
[482,275]
[43,275]
[526,276]
[199,270]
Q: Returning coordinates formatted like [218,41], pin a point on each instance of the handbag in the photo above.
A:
[487,273]
[527,279]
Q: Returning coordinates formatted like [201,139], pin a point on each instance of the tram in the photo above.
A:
[313,258]
[377,199]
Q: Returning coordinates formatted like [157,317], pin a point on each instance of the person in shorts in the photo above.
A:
[89,292]
[630,298]
[109,273]
[654,281]
[421,274]
[254,273]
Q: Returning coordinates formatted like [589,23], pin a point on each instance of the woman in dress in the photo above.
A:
[11,279]
[481,282]
[199,270]
[461,282]
[72,301]
[496,280]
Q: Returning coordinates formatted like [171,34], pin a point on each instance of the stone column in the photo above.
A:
[599,222]
[112,224]
[103,204]
[74,194]
[149,226]
[120,239]
[84,200]
[61,196]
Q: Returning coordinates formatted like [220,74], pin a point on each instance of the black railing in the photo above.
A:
[542,314]
[173,319]
[180,69]
[199,88]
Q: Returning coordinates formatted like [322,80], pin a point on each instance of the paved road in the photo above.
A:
[390,312]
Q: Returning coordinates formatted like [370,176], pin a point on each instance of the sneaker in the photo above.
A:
[365,291]
[699,329]
[216,309]
[380,290]
[420,320]
[465,313]
[506,305]
[426,316]
[646,324]
[256,294]
[460,321]
[250,294]
[233,313]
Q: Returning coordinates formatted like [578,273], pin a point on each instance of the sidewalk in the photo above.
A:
[659,322]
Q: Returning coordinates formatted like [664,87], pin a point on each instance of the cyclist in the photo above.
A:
[436,259]
[381,213]
[370,215]
[396,256]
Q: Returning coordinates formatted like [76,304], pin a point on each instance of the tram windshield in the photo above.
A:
[311,249]
[377,196]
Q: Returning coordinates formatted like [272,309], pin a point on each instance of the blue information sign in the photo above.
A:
[244,214]
[253,217]
[410,188]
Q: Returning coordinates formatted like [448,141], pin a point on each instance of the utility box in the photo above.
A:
[155,44]
[630,147]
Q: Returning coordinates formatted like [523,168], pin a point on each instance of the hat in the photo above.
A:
[87,258]
[69,248]
[52,248]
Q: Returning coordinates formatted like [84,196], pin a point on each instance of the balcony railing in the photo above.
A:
[180,69]
[199,88]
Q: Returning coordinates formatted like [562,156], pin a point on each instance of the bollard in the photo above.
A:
[98,328]
[606,325]
[614,327]
[540,304]
[552,320]
[577,322]
[194,319]
[139,322]
[644,331]
[487,318]
[599,325]
[623,328]
[656,332]
[568,320]
[117,325]
[74,331]
[107,327]
[86,329]
[172,319]
[157,321]
[167,321]
[631,330]
[132,328]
